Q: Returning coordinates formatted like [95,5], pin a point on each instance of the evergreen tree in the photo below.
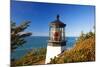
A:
[18,35]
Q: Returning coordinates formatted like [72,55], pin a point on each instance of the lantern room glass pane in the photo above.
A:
[56,34]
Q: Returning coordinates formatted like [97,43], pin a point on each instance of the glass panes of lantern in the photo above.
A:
[57,34]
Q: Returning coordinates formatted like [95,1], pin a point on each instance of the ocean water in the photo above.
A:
[37,42]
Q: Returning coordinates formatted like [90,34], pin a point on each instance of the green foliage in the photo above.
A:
[35,56]
[84,50]
[17,34]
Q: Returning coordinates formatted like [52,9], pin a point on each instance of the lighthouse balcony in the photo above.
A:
[57,43]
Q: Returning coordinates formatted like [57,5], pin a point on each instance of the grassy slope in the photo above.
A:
[84,50]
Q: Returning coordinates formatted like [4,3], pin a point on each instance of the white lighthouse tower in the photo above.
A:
[56,42]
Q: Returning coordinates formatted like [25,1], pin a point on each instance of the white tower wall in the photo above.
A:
[53,51]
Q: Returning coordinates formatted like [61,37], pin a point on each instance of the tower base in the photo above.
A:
[53,51]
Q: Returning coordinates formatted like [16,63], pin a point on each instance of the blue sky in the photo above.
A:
[77,17]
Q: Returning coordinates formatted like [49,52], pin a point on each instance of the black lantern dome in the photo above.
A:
[57,23]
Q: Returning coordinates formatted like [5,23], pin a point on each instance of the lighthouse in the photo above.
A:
[56,42]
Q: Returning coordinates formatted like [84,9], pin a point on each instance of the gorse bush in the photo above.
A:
[83,51]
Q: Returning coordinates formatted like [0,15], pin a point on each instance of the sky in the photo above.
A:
[76,17]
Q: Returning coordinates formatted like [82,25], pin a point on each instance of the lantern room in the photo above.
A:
[57,31]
